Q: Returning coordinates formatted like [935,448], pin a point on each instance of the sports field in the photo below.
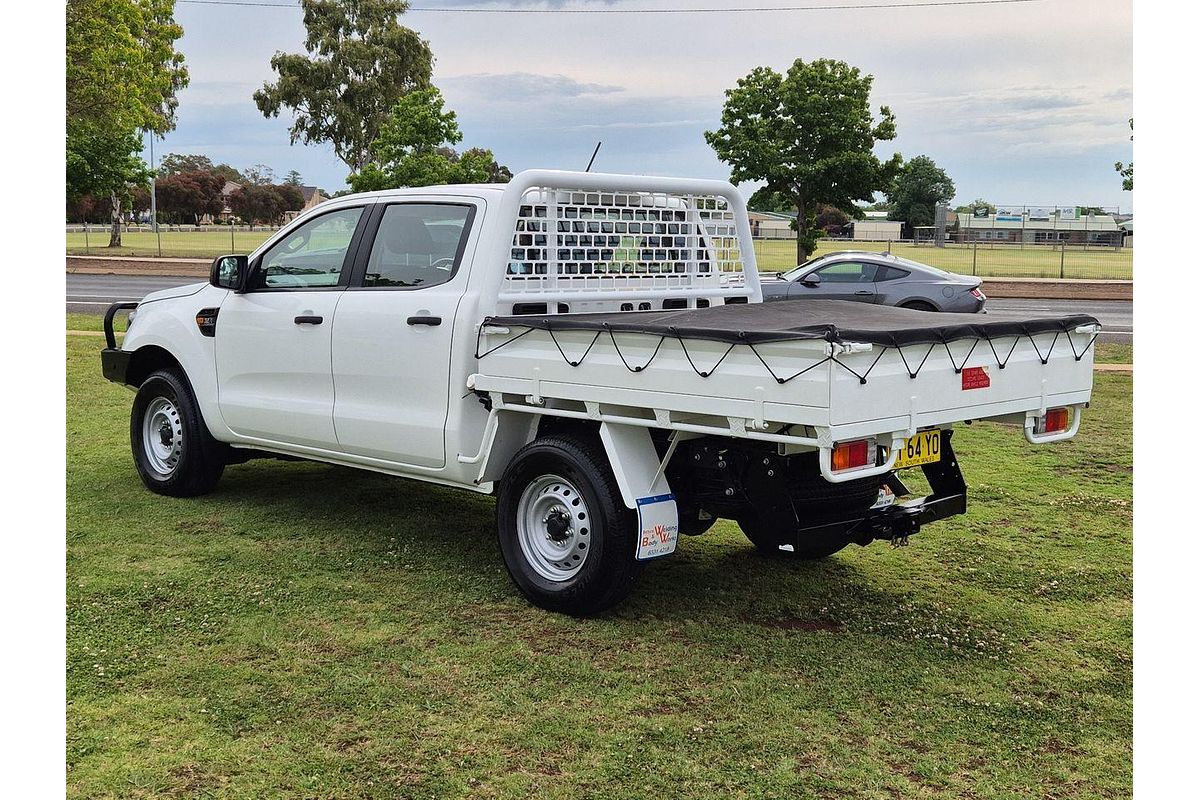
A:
[1008,261]
[314,631]
[1038,261]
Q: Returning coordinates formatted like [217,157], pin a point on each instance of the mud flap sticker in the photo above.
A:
[658,526]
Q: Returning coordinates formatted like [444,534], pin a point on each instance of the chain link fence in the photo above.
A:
[1084,260]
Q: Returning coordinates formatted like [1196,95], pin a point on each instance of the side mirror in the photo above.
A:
[228,272]
[811,281]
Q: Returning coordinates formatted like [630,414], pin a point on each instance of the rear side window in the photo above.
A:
[890,274]
[418,245]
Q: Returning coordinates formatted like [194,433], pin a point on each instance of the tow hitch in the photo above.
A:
[895,522]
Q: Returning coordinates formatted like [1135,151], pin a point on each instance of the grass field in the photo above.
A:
[1007,261]
[312,631]
[772,254]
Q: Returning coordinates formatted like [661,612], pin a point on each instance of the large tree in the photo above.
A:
[123,75]
[920,186]
[809,135]
[123,72]
[190,195]
[106,166]
[360,60]
[414,148]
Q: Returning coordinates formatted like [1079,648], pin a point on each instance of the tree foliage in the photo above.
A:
[414,148]
[123,71]
[190,196]
[360,61]
[809,135]
[974,205]
[106,166]
[123,75]
[920,186]
[1126,170]
[265,204]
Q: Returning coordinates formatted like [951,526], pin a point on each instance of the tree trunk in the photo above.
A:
[114,240]
[801,220]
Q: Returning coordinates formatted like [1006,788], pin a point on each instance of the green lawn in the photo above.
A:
[182,244]
[1032,261]
[312,631]
[772,254]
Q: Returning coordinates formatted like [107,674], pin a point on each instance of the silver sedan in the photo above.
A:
[877,278]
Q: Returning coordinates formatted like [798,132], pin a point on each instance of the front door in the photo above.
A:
[273,342]
[392,341]
[841,280]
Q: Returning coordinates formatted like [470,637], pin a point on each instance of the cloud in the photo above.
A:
[521,87]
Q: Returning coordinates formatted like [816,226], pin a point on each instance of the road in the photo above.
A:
[93,293]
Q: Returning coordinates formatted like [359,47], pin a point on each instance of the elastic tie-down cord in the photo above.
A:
[1002,364]
[862,378]
[1046,358]
[913,375]
[958,368]
[1079,356]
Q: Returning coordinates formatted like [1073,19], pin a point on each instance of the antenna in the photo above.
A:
[593,158]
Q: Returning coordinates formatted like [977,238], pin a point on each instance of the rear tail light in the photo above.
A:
[1055,420]
[853,455]
[978,294]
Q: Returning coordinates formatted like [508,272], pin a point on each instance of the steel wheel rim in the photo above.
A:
[554,528]
[162,437]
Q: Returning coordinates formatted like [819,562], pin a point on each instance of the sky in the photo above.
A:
[1021,103]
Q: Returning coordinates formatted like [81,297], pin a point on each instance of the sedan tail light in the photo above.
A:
[978,294]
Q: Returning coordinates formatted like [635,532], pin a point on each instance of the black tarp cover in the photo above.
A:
[832,320]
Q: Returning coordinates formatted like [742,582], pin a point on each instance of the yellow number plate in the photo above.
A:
[924,448]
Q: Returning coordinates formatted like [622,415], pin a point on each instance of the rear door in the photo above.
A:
[841,280]
[394,332]
[273,341]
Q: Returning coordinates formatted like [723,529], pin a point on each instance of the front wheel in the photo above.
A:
[567,538]
[173,451]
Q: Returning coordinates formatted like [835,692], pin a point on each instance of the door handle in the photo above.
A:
[863,293]
[424,320]
[308,320]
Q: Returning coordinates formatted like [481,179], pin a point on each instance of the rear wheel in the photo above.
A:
[173,451]
[919,305]
[567,538]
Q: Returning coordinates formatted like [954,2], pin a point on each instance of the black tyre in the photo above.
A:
[567,538]
[173,450]
[919,305]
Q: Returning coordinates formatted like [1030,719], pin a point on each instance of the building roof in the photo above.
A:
[230,187]
[782,216]
[307,192]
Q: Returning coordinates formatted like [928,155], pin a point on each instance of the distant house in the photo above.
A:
[312,197]
[876,229]
[772,225]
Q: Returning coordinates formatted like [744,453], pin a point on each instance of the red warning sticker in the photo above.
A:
[975,378]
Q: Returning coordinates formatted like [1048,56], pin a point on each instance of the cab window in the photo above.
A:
[312,255]
[418,245]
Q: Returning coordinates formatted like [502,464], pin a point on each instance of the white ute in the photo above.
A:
[594,351]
